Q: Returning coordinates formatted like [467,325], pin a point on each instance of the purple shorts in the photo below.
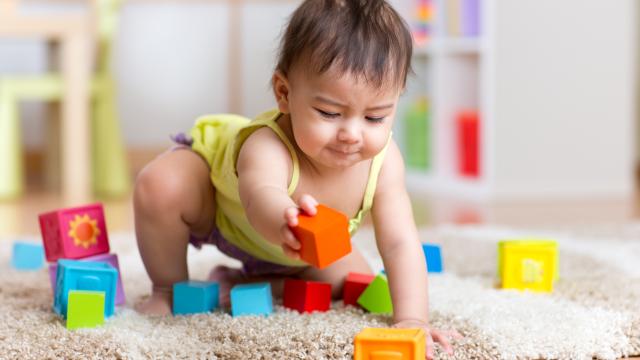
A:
[251,265]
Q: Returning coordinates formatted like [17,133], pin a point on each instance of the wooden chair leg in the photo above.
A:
[11,162]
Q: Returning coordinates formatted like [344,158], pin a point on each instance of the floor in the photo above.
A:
[19,218]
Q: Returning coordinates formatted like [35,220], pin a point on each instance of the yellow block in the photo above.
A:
[528,264]
[389,344]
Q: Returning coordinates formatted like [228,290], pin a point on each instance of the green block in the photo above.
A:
[85,309]
[376,298]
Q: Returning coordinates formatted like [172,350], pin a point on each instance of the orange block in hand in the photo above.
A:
[324,237]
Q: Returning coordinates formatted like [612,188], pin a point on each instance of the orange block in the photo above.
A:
[324,237]
[389,344]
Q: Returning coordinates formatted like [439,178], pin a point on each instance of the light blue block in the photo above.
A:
[251,299]
[434,258]
[192,297]
[27,256]
[84,275]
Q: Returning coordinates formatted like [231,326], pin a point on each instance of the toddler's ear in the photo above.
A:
[281,91]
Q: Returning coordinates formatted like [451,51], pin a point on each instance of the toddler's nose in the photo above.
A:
[349,133]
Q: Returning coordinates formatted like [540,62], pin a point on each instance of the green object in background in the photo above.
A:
[85,309]
[417,135]
[376,298]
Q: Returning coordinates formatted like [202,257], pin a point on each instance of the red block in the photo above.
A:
[354,285]
[74,233]
[468,143]
[307,296]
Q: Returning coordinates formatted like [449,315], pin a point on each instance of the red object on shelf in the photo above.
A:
[468,131]
[307,296]
[354,285]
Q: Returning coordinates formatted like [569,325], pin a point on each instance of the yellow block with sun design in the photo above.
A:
[528,264]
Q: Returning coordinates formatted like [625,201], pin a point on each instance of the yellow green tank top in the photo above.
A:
[218,139]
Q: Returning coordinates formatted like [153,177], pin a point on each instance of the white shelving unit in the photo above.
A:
[552,122]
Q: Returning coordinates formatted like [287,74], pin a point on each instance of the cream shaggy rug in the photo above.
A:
[594,311]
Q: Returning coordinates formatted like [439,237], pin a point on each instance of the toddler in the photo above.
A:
[240,184]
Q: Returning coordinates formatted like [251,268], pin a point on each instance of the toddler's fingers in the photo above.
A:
[308,204]
[290,239]
[291,216]
[430,345]
[442,339]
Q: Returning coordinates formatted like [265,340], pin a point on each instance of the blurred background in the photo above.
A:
[519,111]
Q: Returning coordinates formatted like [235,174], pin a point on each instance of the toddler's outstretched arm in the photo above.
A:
[399,246]
[264,168]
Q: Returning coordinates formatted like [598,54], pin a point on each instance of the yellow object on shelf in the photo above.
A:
[389,344]
[528,264]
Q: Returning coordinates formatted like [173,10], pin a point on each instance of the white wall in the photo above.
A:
[564,103]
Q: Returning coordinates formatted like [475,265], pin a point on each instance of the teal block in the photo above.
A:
[251,299]
[376,298]
[27,256]
[433,256]
[84,275]
[192,297]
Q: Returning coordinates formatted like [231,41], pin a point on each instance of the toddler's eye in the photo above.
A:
[375,119]
[327,114]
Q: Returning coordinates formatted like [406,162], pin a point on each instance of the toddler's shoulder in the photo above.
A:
[392,170]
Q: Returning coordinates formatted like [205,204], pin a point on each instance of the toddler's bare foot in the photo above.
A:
[227,278]
[159,303]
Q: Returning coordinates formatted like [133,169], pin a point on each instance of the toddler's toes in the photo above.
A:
[155,305]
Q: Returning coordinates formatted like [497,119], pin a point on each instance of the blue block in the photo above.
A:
[27,256]
[433,256]
[191,297]
[84,275]
[251,299]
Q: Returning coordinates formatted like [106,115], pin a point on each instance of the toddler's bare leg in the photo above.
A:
[173,197]
[336,272]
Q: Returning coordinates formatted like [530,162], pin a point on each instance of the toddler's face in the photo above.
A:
[339,120]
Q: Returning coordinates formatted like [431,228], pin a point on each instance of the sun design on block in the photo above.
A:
[84,231]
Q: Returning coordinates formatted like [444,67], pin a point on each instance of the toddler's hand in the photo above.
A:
[290,244]
[441,337]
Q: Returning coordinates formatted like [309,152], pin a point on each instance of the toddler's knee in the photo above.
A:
[158,189]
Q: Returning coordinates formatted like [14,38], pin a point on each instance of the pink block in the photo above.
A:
[111,259]
[74,233]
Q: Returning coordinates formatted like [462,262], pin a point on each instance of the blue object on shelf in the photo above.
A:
[85,275]
[27,256]
[192,297]
[434,257]
[251,299]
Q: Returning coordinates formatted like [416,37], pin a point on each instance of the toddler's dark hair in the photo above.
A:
[364,37]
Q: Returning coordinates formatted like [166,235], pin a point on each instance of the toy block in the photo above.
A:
[251,299]
[354,285]
[192,297]
[84,275]
[111,259]
[390,344]
[376,298]
[306,296]
[324,237]
[528,264]
[74,233]
[85,309]
[433,256]
[27,256]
